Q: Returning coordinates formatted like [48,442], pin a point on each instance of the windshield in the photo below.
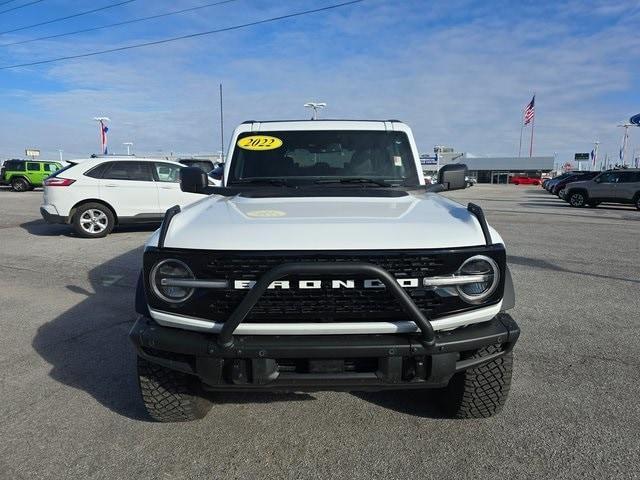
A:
[308,157]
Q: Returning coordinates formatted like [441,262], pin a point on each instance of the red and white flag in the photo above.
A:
[103,136]
[530,111]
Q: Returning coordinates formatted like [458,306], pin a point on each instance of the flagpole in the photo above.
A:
[533,124]
[221,128]
[521,129]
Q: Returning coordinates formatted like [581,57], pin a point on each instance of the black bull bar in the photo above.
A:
[225,338]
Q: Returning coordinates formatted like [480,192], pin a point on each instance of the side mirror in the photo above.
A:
[193,180]
[452,176]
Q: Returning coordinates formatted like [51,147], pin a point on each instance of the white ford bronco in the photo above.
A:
[323,262]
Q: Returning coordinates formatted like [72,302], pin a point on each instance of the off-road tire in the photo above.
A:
[479,392]
[106,211]
[170,396]
[20,185]
[577,199]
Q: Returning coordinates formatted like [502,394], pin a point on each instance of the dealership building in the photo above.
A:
[489,169]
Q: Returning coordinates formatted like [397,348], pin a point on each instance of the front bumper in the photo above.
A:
[51,215]
[326,362]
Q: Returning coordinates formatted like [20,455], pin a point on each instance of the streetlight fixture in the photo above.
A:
[128,145]
[625,141]
[315,106]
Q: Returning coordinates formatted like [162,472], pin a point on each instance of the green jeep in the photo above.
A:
[25,175]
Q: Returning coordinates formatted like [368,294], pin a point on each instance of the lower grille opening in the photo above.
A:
[300,365]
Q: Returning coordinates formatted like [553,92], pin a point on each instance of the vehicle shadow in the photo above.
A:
[537,191]
[558,202]
[88,346]
[43,229]
[418,403]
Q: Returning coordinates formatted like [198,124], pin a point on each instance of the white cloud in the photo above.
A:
[461,82]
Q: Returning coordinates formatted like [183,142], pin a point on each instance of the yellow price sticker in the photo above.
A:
[259,142]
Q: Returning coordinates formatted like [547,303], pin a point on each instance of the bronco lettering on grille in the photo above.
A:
[319,284]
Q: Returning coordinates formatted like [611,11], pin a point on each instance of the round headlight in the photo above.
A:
[167,281]
[477,292]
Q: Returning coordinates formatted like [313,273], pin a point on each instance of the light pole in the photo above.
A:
[128,145]
[594,160]
[60,153]
[625,140]
[316,106]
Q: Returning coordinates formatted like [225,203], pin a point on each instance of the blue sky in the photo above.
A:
[459,72]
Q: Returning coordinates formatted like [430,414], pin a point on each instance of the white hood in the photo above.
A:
[324,223]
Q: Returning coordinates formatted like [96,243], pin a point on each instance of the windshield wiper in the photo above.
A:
[379,183]
[278,182]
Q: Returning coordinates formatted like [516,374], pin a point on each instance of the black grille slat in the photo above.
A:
[251,268]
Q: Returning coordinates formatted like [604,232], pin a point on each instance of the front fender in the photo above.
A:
[509,297]
[141,297]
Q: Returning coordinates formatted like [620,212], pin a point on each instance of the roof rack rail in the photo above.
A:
[476,210]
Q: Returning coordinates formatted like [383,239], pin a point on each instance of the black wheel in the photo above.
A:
[170,396]
[19,185]
[93,220]
[637,201]
[577,199]
[479,392]
[561,193]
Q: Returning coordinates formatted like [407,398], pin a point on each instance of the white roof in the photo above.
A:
[280,125]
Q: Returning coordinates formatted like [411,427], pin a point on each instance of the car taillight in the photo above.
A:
[58,182]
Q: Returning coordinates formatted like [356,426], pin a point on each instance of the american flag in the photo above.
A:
[530,111]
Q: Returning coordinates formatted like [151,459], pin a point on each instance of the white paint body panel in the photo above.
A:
[425,220]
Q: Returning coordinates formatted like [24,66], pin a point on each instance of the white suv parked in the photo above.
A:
[96,194]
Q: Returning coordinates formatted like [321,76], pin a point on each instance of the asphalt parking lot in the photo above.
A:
[69,402]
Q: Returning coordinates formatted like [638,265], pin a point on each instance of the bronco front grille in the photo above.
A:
[324,304]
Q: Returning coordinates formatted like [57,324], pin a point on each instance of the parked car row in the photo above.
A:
[589,189]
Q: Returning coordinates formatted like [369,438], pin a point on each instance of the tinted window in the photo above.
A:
[14,165]
[50,167]
[608,177]
[129,171]
[306,156]
[33,167]
[628,177]
[167,172]
[98,170]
